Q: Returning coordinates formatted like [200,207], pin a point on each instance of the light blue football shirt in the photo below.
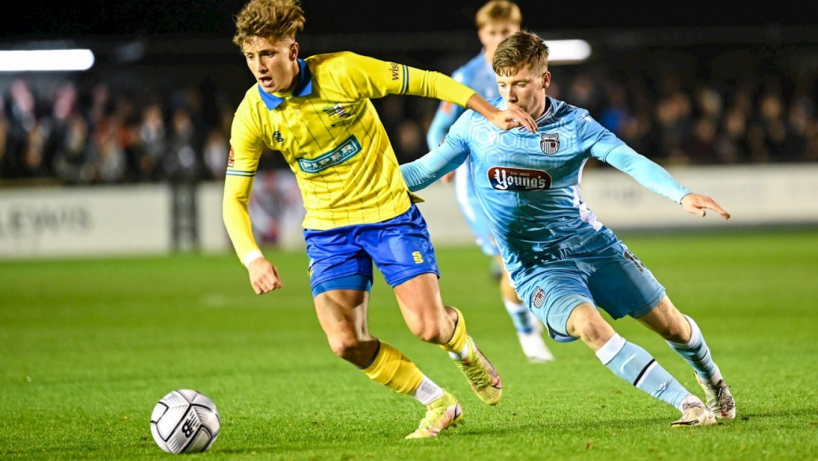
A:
[529,183]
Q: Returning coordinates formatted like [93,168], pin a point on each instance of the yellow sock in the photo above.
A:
[394,370]
[457,342]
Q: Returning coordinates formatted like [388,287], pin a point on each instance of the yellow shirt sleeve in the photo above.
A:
[246,148]
[367,77]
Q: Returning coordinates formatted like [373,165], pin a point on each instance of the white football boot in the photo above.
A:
[695,413]
[719,399]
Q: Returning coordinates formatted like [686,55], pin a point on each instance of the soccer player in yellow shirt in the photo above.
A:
[317,113]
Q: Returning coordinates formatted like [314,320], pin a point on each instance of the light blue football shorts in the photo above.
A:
[611,278]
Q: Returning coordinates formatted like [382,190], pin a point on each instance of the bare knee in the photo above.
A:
[433,325]
[596,334]
[586,323]
[429,330]
[354,350]
[344,347]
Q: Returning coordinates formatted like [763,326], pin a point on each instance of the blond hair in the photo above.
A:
[520,50]
[270,19]
[498,11]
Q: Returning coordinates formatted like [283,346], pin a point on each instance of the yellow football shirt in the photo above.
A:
[328,131]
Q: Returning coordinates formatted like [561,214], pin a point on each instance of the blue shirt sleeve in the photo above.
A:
[440,160]
[645,172]
[607,147]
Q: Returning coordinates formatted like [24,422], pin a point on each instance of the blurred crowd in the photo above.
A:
[99,133]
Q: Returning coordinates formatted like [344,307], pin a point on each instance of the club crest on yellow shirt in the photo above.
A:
[336,113]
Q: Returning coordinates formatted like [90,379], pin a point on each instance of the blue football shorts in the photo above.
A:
[341,258]
[472,210]
[611,278]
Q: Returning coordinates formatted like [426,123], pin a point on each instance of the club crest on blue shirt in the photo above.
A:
[538,298]
[550,143]
[518,179]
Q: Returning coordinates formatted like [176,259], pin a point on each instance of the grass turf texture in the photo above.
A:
[87,347]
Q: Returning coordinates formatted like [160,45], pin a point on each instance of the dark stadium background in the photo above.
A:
[42,18]
[178,56]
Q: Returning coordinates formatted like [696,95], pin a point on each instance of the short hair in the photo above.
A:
[497,11]
[270,19]
[520,50]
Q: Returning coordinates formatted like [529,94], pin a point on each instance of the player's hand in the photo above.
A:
[448,177]
[513,117]
[263,276]
[697,204]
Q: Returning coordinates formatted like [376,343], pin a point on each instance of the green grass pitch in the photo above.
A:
[88,346]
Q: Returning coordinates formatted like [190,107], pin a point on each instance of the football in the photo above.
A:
[185,421]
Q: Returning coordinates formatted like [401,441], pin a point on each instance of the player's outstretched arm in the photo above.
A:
[424,171]
[504,119]
[263,276]
[697,204]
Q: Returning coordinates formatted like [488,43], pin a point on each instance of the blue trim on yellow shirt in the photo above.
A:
[405,85]
[304,87]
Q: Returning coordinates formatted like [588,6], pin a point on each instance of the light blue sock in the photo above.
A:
[523,318]
[697,354]
[636,366]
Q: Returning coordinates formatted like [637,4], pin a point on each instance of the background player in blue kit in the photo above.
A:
[496,21]
[563,262]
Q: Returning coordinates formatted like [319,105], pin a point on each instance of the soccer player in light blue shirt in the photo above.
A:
[563,262]
[496,20]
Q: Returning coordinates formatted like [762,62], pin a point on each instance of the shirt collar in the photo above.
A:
[549,111]
[542,119]
[303,88]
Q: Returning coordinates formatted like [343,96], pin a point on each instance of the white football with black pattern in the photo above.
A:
[185,421]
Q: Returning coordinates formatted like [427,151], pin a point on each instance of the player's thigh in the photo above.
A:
[342,315]
[422,308]
[620,283]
